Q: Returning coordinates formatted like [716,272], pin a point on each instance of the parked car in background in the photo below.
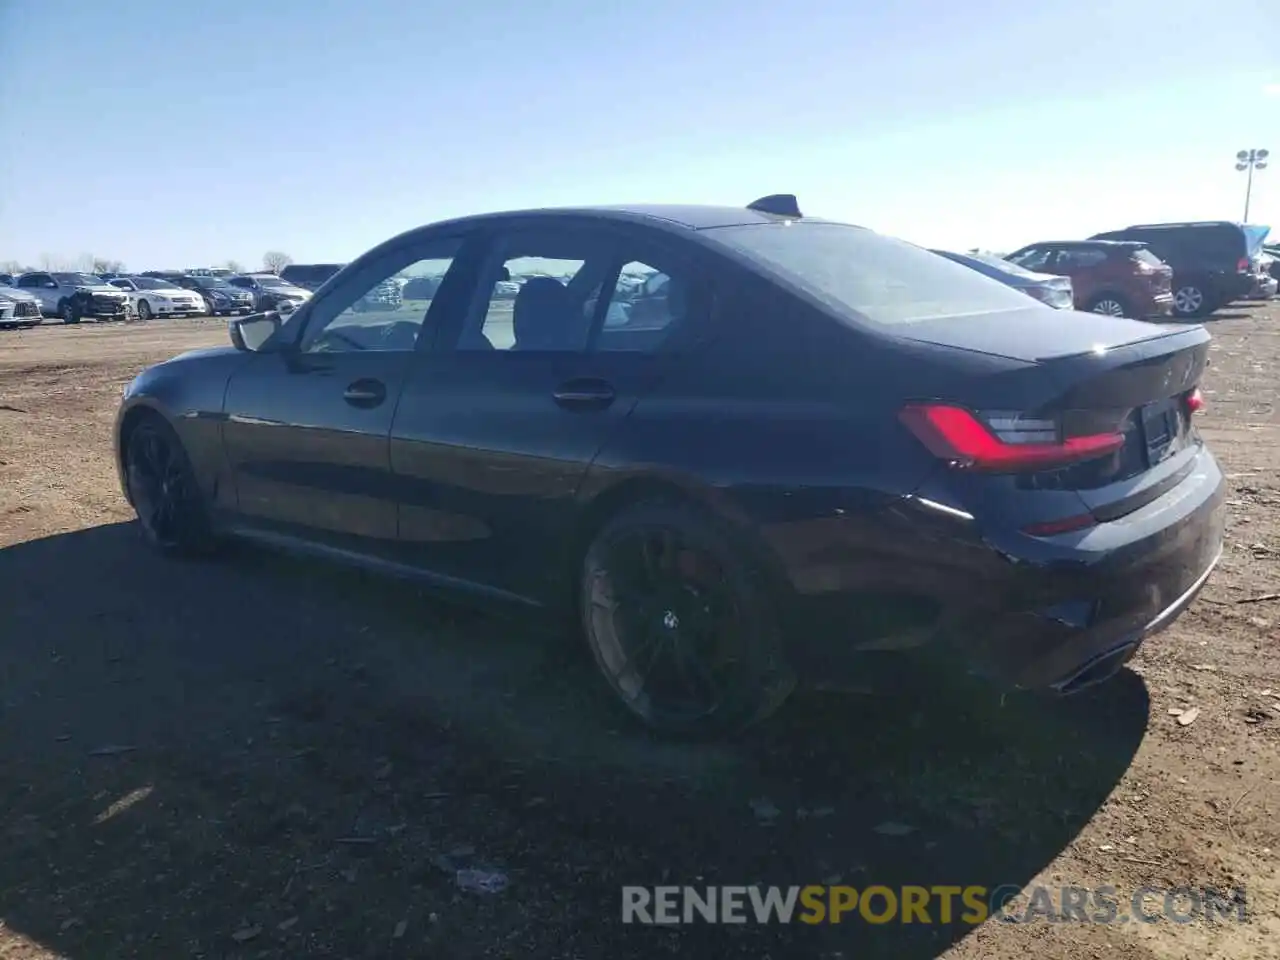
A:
[421,288]
[270,292]
[151,297]
[382,296]
[75,296]
[221,299]
[223,272]
[916,457]
[18,308]
[1272,252]
[1049,289]
[1114,278]
[1265,282]
[309,276]
[6,279]
[1211,261]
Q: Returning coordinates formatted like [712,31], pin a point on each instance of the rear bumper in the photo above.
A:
[1235,286]
[1034,613]
[1265,286]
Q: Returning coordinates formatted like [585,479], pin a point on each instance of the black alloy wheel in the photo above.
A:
[680,624]
[165,492]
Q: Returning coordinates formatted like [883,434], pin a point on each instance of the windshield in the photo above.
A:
[78,279]
[216,283]
[151,283]
[1144,255]
[275,283]
[876,278]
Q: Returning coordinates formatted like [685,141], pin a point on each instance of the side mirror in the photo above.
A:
[51,285]
[253,332]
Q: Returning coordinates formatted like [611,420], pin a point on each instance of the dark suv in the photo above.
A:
[1212,261]
[309,276]
[1118,279]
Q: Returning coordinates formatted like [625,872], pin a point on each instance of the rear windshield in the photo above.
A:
[1143,255]
[993,266]
[876,278]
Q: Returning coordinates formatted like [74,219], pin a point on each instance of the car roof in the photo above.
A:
[1105,244]
[670,215]
[1179,225]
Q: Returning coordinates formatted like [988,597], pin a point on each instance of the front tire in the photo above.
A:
[681,622]
[166,496]
[144,310]
[68,312]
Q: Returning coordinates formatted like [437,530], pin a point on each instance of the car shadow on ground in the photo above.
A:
[266,757]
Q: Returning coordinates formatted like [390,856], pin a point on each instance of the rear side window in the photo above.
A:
[1220,244]
[874,278]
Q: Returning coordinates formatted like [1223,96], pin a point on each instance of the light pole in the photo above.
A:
[1250,160]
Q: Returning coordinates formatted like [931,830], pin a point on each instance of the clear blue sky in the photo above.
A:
[167,133]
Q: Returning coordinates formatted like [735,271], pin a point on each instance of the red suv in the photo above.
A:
[1118,278]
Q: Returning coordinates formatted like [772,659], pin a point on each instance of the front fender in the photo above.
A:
[189,393]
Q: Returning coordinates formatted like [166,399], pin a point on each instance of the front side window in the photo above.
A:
[371,312]
[867,277]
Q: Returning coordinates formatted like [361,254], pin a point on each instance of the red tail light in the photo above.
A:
[1242,265]
[1000,442]
[1195,401]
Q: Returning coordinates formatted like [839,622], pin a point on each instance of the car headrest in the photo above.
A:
[543,317]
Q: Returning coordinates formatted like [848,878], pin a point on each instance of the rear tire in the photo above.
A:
[1192,299]
[165,492]
[681,623]
[1109,305]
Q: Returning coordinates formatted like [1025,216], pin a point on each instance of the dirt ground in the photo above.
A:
[261,757]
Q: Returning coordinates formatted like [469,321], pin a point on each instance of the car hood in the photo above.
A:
[296,293]
[101,288]
[204,353]
[1033,334]
[15,295]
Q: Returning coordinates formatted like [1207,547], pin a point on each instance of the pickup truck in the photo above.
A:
[74,296]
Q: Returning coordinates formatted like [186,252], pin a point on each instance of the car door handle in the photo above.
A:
[365,393]
[586,394]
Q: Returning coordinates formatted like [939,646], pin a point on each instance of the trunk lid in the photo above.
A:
[1094,377]
[1034,335]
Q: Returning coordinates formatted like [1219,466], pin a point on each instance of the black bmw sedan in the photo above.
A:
[742,445]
